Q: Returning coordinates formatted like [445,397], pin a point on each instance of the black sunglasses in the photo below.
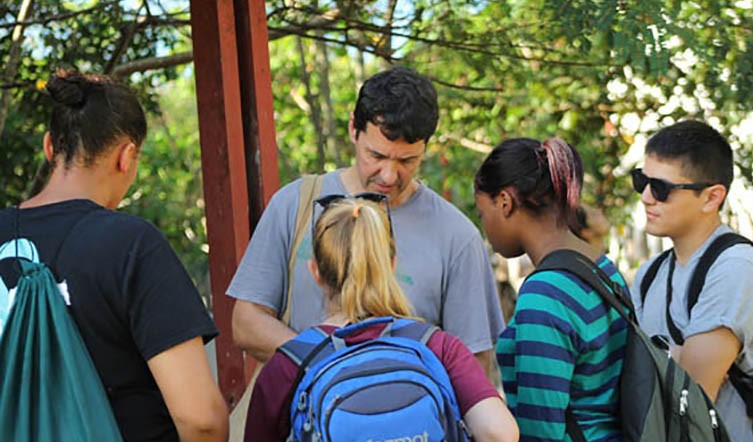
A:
[660,189]
[326,200]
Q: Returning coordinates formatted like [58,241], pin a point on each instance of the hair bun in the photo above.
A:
[67,89]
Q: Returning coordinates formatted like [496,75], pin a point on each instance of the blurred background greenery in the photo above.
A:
[603,75]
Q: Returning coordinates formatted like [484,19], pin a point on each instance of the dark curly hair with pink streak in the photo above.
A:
[542,176]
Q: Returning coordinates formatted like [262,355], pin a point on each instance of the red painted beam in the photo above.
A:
[239,152]
[261,153]
[223,170]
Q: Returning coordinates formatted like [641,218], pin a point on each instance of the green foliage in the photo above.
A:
[577,69]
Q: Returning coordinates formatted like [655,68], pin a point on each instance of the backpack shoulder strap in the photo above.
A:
[415,330]
[304,347]
[579,265]
[719,245]
[650,275]
[311,186]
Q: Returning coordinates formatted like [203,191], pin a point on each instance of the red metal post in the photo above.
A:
[238,152]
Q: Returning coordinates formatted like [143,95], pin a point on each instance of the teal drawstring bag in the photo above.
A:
[49,387]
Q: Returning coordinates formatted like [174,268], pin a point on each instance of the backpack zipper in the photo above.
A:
[714,420]
[339,399]
[684,429]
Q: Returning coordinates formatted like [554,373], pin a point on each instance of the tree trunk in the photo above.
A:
[330,123]
[14,57]
[360,70]
[315,114]
[385,43]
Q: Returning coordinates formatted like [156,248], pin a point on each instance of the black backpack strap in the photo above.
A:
[675,332]
[650,275]
[719,245]
[579,265]
[572,428]
[742,381]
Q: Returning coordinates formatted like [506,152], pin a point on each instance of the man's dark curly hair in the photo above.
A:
[401,102]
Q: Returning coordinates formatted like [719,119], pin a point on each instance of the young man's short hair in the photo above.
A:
[401,102]
[704,153]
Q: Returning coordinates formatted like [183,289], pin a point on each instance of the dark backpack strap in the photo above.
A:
[719,245]
[572,428]
[742,382]
[579,265]
[675,332]
[650,275]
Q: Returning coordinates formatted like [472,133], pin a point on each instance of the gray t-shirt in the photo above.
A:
[442,265]
[725,301]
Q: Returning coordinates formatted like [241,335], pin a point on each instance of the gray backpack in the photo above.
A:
[659,401]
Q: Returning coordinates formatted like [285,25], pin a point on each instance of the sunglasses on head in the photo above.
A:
[660,189]
[327,200]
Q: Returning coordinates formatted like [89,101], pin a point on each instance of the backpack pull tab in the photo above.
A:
[308,425]
[714,421]
[302,399]
[683,402]
[464,429]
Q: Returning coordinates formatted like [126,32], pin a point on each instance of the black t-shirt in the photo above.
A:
[129,294]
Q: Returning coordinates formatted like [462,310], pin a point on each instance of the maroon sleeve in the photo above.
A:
[466,374]
[268,420]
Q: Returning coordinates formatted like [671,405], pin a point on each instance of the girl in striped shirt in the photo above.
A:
[561,355]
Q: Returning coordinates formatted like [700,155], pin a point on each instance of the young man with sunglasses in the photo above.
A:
[442,264]
[683,184]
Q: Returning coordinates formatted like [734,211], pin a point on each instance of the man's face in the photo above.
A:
[680,212]
[386,166]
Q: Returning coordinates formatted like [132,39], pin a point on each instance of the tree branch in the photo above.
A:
[125,40]
[151,63]
[57,17]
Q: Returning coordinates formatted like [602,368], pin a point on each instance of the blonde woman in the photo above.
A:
[354,257]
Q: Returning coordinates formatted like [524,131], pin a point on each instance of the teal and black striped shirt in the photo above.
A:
[563,346]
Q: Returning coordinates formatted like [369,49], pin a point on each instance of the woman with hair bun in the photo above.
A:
[354,257]
[561,354]
[136,308]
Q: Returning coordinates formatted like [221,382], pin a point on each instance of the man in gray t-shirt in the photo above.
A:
[442,264]
[683,184]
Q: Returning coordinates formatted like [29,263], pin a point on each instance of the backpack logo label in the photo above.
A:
[423,437]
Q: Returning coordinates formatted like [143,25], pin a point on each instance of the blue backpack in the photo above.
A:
[390,388]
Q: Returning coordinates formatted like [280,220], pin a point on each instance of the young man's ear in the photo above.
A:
[714,198]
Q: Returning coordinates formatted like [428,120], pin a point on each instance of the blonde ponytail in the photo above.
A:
[354,251]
